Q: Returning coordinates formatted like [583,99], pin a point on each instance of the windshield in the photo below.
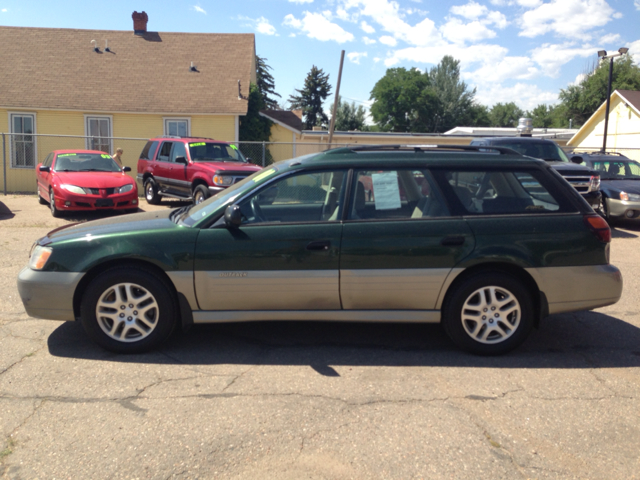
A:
[215,152]
[618,170]
[85,162]
[198,212]
[542,150]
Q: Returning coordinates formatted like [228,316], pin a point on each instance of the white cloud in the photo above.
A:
[199,9]
[579,78]
[498,19]
[356,56]
[263,26]
[519,68]
[470,11]
[433,54]
[300,1]
[4,10]
[315,25]
[635,2]
[457,32]
[525,95]
[568,18]
[377,59]
[368,41]
[369,29]
[610,38]
[387,40]
[551,57]
[634,49]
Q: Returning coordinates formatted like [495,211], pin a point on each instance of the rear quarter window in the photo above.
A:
[502,191]
[149,151]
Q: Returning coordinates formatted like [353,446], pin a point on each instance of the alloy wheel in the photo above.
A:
[491,314]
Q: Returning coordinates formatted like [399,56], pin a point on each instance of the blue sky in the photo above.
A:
[510,50]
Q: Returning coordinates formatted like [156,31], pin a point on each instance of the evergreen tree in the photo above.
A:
[310,98]
[266,83]
[456,101]
[253,126]
[350,117]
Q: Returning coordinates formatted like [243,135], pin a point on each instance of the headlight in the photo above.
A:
[633,197]
[225,180]
[595,183]
[125,189]
[39,257]
[624,196]
[74,189]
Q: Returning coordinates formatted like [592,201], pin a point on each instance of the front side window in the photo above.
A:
[99,133]
[23,143]
[306,197]
[498,192]
[176,127]
[178,151]
[388,194]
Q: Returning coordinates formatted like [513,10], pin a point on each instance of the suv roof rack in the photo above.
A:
[599,153]
[423,148]
[188,136]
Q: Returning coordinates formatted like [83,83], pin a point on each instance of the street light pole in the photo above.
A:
[603,55]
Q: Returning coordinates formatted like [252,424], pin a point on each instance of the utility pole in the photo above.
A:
[335,102]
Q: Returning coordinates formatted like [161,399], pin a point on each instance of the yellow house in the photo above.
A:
[104,89]
[623,131]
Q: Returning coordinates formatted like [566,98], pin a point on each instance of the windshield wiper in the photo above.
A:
[176,215]
[95,170]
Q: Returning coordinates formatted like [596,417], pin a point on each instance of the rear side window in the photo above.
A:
[149,151]
[499,192]
[165,151]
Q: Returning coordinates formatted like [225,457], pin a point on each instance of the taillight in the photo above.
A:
[599,227]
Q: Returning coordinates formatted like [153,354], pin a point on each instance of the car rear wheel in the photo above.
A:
[200,194]
[52,204]
[488,314]
[151,192]
[128,310]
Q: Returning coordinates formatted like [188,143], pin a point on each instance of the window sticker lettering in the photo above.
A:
[234,147]
[104,155]
[67,155]
[386,190]
[198,144]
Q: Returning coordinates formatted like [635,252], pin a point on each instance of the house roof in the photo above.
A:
[285,118]
[630,97]
[56,68]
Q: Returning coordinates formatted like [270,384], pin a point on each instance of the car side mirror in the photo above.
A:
[182,160]
[248,159]
[577,159]
[233,216]
[126,169]
[44,168]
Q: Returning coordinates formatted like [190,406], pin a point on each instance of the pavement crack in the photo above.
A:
[30,354]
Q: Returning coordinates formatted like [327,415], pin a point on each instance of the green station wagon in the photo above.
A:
[485,242]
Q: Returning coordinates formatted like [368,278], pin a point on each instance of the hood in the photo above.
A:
[629,186]
[572,168]
[94,179]
[139,222]
[236,167]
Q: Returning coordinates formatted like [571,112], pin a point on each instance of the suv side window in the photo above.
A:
[387,194]
[499,192]
[165,152]
[149,151]
[179,150]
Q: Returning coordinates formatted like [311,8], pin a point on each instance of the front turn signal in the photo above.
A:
[39,257]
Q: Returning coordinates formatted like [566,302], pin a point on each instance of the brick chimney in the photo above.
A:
[297,113]
[139,22]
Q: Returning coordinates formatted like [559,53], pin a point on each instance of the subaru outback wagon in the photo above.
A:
[486,243]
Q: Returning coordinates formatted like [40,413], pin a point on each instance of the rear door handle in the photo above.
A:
[321,245]
[452,241]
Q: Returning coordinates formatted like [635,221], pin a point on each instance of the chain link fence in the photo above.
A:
[21,153]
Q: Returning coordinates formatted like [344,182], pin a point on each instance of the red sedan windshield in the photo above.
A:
[85,162]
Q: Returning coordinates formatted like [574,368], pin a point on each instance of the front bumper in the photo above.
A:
[593,199]
[620,208]
[48,295]
[74,202]
[214,190]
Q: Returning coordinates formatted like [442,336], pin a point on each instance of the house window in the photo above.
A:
[23,143]
[98,131]
[177,127]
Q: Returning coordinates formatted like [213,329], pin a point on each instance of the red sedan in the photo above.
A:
[80,180]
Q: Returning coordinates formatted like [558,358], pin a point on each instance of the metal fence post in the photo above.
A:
[4,164]
[264,149]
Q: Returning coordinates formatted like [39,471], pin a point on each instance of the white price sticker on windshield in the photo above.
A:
[386,190]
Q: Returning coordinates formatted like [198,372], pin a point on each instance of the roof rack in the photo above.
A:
[188,136]
[598,153]
[423,148]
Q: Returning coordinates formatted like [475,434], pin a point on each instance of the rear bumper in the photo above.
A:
[570,289]
[48,294]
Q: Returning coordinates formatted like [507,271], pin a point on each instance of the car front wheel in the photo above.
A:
[151,192]
[128,310]
[200,194]
[52,204]
[488,314]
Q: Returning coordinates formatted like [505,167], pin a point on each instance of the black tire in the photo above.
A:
[517,324]
[200,194]
[52,205]
[151,192]
[137,289]
[41,200]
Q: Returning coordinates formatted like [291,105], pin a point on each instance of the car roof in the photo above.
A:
[187,139]
[490,140]
[99,152]
[442,155]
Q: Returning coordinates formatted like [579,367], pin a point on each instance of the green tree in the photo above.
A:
[404,102]
[350,117]
[253,126]
[479,116]
[583,99]
[315,91]
[505,115]
[542,116]
[266,83]
[455,99]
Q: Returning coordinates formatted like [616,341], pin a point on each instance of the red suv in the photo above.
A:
[190,168]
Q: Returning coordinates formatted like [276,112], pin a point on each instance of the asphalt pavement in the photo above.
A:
[311,400]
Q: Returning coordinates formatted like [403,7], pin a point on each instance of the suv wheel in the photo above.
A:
[200,194]
[151,192]
[488,314]
[128,310]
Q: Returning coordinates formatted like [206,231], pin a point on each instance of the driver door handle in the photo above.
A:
[321,245]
